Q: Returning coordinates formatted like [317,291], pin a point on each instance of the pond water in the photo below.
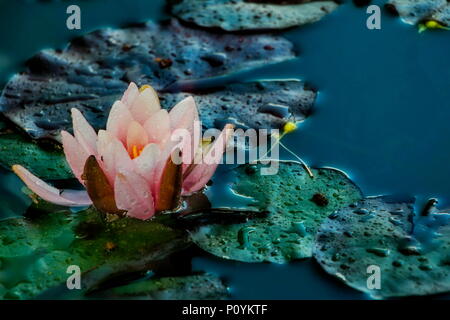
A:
[381,116]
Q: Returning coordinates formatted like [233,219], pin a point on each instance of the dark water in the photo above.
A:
[382,115]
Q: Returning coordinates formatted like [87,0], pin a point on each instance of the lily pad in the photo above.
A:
[95,70]
[232,15]
[262,104]
[47,164]
[415,11]
[194,287]
[297,204]
[411,252]
[36,252]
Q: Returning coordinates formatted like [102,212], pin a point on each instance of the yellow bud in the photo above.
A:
[289,127]
[145,86]
[431,24]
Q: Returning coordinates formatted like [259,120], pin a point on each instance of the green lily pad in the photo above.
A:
[47,164]
[297,204]
[232,15]
[412,252]
[413,11]
[193,287]
[36,252]
[95,69]
[262,104]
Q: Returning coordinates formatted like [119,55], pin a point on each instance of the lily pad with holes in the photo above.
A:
[414,11]
[263,104]
[96,68]
[297,204]
[193,287]
[47,163]
[35,252]
[232,15]
[412,252]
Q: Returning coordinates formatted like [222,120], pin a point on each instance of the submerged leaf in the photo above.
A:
[232,15]
[96,68]
[36,252]
[297,204]
[195,287]
[414,12]
[411,252]
[47,164]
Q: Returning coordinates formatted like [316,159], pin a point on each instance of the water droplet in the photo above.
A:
[380,252]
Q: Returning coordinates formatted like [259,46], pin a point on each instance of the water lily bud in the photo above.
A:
[289,127]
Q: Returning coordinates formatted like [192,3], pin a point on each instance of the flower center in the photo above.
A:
[135,151]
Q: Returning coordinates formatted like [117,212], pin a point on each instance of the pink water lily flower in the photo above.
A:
[129,167]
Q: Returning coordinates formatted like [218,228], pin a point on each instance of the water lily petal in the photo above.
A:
[108,162]
[164,154]
[136,139]
[118,121]
[75,154]
[115,158]
[147,160]
[103,140]
[84,132]
[202,172]
[184,120]
[77,196]
[130,94]
[122,158]
[105,158]
[145,105]
[158,127]
[183,114]
[51,194]
[132,194]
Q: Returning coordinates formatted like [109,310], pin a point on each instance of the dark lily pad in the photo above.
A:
[232,15]
[414,11]
[95,70]
[194,287]
[297,204]
[36,252]
[411,251]
[263,104]
[47,164]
